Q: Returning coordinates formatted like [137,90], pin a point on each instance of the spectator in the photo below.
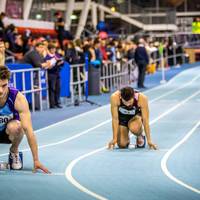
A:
[11,32]
[103,50]
[79,49]
[71,55]
[131,51]
[2,25]
[142,60]
[35,57]
[54,76]
[2,53]
[97,50]
[18,49]
[59,28]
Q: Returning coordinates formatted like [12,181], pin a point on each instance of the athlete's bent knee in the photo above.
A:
[135,126]
[123,145]
[14,127]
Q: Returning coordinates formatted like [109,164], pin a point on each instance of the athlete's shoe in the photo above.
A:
[16,160]
[140,141]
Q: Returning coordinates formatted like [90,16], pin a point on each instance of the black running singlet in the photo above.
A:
[126,113]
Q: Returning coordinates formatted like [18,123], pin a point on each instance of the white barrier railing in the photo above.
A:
[115,75]
[34,82]
[161,62]
[77,82]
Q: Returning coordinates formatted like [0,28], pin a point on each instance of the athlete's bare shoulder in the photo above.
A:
[21,103]
[115,98]
[142,99]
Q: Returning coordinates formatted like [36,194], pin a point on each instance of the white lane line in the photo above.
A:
[175,107]
[68,171]
[70,119]
[88,130]
[167,155]
[173,79]
[196,69]
[102,107]
[103,123]
[173,91]
[69,176]
[20,172]
[67,139]
[77,135]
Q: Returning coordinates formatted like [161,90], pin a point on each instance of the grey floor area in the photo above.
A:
[48,117]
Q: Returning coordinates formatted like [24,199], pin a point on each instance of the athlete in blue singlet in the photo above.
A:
[129,109]
[15,121]
[8,113]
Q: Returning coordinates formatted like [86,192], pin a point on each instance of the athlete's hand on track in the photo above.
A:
[38,165]
[152,146]
[111,144]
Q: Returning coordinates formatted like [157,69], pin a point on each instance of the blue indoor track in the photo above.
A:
[83,169]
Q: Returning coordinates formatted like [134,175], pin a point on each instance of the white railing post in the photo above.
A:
[162,68]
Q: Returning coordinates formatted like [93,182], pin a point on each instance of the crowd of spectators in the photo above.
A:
[50,53]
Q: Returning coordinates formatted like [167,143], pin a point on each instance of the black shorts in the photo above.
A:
[4,138]
[124,122]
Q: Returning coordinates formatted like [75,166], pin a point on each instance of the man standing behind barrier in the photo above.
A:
[35,57]
[142,60]
[54,76]
[15,121]
[130,111]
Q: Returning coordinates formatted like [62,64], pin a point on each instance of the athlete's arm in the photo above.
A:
[115,119]
[143,101]
[21,105]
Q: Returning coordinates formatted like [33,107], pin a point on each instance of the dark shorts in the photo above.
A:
[4,137]
[124,122]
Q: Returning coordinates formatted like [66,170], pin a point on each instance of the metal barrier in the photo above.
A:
[33,83]
[161,61]
[116,75]
[10,59]
[77,82]
[113,76]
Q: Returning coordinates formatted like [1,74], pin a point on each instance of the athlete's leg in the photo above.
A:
[16,133]
[135,125]
[123,137]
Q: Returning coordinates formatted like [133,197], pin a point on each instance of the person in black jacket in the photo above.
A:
[54,76]
[142,60]
[35,57]
[59,28]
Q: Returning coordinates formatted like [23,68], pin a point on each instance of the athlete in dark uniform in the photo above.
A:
[15,121]
[127,113]
[130,112]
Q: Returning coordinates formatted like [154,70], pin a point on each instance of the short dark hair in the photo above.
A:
[127,93]
[51,46]
[2,14]
[4,73]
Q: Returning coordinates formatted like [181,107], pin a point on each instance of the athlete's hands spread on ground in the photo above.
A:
[112,144]
[38,165]
[152,146]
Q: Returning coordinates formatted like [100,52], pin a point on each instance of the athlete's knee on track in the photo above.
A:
[123,144]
